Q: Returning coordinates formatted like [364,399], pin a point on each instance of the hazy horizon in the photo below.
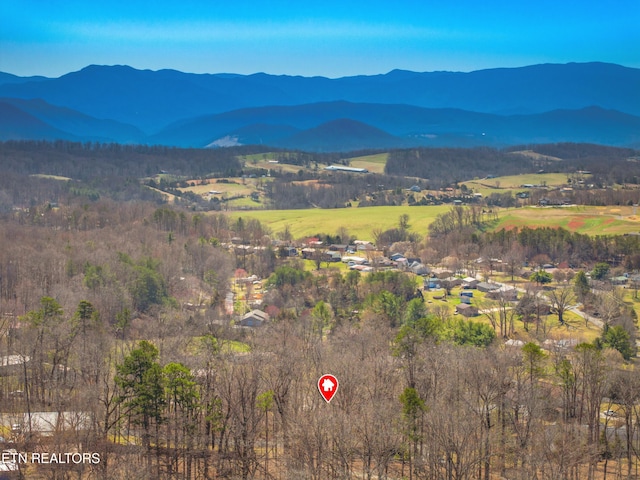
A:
[294,75]
[331,40]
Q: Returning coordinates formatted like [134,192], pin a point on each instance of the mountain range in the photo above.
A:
[579,102]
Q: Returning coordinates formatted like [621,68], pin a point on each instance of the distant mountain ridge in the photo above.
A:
[76,124]
[402,126]
[599,101]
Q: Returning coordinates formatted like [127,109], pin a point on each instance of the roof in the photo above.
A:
[346,169]
[465,306]
[46,423]
[11,360]
[259,314]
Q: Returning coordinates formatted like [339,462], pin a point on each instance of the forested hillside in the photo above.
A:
[122,318]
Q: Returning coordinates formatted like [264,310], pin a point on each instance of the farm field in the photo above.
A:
[611,220]
[52,177]
[536,156]
[487,186]
[373,163]
[360,222]
[170,198]
[233,187]
[261,160]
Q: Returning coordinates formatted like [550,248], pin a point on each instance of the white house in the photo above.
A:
[255,318]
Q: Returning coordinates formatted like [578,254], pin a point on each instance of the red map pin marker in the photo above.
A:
[328,386]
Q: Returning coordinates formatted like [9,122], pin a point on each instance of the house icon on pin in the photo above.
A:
[327,385]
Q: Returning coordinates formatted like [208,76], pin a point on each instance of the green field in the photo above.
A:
[51,177]
[360,222]
[261,160]
[373,163]
[486,186]
[244,203]
[235,187]
[612,220]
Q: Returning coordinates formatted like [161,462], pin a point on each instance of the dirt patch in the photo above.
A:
[311,183]
[575,223]
[305,182]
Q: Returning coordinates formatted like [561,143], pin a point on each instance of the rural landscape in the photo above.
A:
[272,241]
[171,310]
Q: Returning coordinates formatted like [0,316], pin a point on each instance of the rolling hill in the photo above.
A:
[396,126]
[16,124]
[342,135]
[586,102]
[152,100]
[76,125]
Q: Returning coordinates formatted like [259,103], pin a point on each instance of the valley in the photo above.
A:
[289,241]
[171,310]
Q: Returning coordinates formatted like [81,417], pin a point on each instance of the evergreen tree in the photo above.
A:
[141,382]
[581,285]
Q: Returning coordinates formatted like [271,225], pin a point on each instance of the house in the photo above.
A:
[503,293]
[487,287]
[312,242]
[419,268]
[442,273]
[470,282]
[467,310]
[634,280]
[562,344]
[289,251]
[332,256]
[361,268]
[431,283]
[620,280]
[47,424]
[308,253]
[342,168]
[353,259]
[12,364]
[255,318]
[453,281]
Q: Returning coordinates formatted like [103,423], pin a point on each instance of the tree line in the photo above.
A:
[423,405]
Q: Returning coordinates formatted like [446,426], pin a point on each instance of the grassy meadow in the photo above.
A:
[233,186]
[610,220]
[373,163]
[360,222]
[487,186]
[261,160]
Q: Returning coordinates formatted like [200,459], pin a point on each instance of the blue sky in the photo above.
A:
[328,38]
